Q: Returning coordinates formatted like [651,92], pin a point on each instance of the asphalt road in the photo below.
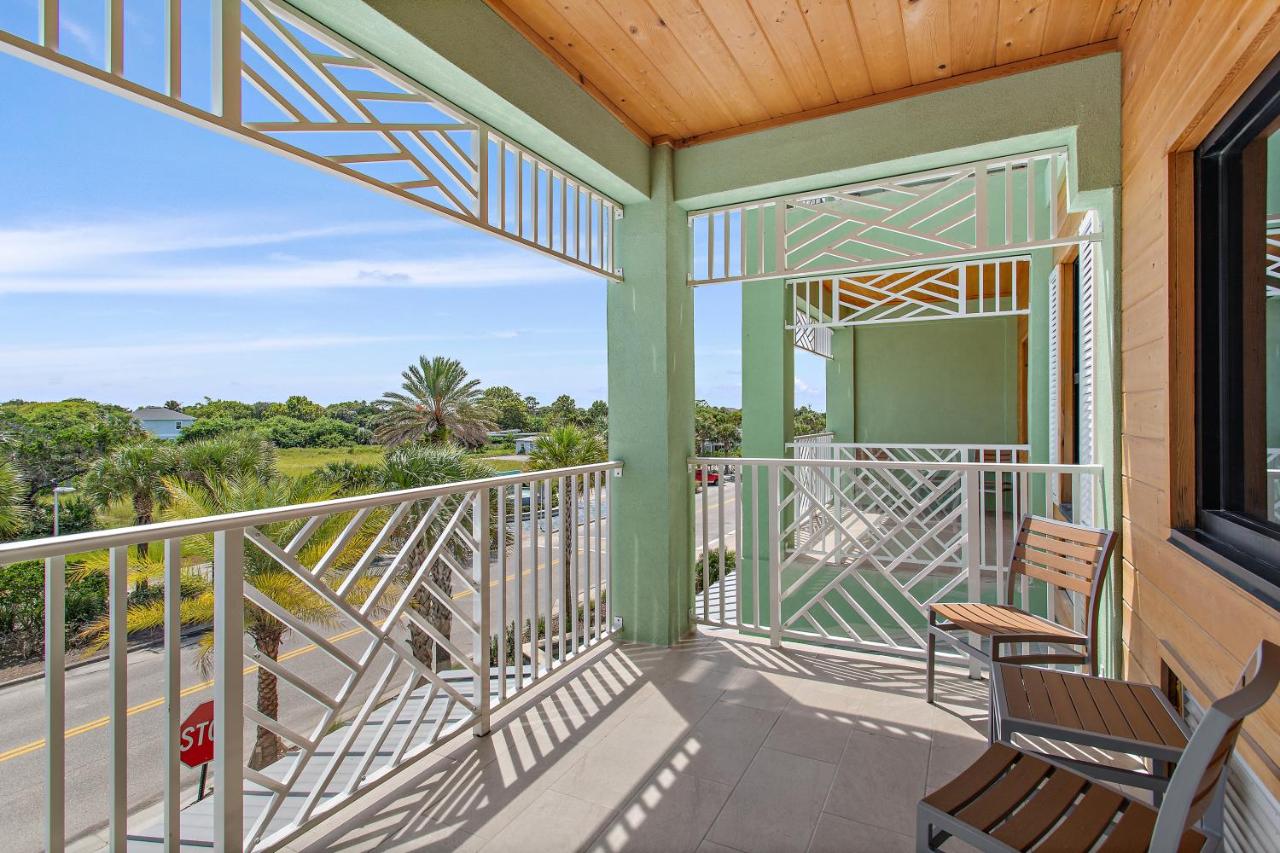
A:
[22,753]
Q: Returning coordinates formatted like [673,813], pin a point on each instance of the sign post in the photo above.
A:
[195,741]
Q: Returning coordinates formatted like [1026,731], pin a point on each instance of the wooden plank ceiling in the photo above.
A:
[692,70]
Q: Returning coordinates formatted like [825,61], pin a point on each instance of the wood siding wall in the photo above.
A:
[1184,63]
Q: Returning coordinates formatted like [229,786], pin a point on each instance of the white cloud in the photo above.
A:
[74,247]
[146,256]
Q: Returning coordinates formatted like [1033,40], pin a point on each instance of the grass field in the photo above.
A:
[296,461]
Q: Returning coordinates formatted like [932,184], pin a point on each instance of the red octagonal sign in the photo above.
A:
[195,736]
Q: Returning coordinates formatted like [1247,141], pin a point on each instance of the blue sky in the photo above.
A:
[143,258]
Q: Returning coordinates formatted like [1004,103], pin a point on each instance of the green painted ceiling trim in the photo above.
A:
[462,51]
[1075,104]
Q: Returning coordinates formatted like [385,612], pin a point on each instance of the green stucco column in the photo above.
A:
[650,324]
[768,415]
[840,380]
[768,370]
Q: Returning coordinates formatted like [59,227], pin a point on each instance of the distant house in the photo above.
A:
[525,441]
[162,423]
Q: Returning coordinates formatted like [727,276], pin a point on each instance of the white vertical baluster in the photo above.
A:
[172,691]
[118,666]
[535,498]
[228,689]
[755,544]
[590,604]
[971,522]
[500,540]
[981,213]
[775,555]
[49,28]
[548,591]
[574,564]
[518,511]
[706,542]
[721,491]
[173,48]
[115,37]
[55,694]
[481,609]
[607,565]
[226,61]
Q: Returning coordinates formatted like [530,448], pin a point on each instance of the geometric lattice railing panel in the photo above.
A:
[847,545]
[991,207]
[285,82]
[985,288]
[349,637]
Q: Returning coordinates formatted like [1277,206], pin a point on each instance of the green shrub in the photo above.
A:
[713,567]
[22,607]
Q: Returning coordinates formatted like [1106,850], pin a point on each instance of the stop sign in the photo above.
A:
[195,736]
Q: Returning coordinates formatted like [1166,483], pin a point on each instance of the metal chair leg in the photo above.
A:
[931,644]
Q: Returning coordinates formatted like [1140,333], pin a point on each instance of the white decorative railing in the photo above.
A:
[285,82]
[849,552]
[508,578]
[982,209]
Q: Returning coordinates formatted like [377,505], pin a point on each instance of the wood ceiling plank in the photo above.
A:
[833,32]
[1118,22]
[543,18]
[696,33]
[742,35]
[788,33]
[1021,29]
[590,19]
[1070,23]
[649,32]
[926,25]
[974,26]
[884,45]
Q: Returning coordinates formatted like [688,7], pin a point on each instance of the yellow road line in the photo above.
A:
[35,745]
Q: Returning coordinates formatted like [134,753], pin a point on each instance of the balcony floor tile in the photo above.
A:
[717,745]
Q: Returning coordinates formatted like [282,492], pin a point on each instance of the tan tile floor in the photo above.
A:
[719,744]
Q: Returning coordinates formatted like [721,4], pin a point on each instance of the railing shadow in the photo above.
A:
[626,729]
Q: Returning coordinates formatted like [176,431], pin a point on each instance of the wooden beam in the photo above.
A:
[982,76]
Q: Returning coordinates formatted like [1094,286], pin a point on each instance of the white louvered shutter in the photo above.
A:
[1055,382]
[1090,269]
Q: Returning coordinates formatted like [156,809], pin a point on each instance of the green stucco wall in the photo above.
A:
[841,370]
[952,381]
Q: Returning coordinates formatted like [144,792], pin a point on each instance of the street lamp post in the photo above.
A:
[59,491]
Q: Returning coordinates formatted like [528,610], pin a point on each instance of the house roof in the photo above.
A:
[159,413]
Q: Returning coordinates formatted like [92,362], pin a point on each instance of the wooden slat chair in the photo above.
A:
[1011,800]
[1070,557]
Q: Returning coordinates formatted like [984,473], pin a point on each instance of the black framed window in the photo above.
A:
[1238,341]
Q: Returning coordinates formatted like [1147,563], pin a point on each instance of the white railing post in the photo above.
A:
[774,566]
[227,61]
[55,694]
[228,689]
[972,522]
[172,691]
[481,608]
[118,666]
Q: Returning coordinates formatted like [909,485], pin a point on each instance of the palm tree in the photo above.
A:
[439,404]
[260,571]
[237,455]
[13,513]
[416,466]
[133,472]
[564,447]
